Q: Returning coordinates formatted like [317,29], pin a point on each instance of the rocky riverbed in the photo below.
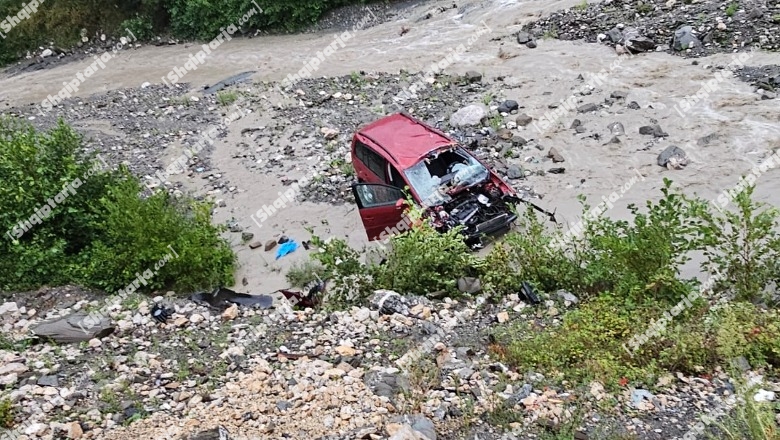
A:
[568,114]
[305,374]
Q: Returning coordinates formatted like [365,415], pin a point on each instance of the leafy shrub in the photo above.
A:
[586,346]
[350,279]
[745,245]
[141,27]
[635,260]
[103,232]
[423,261]
[527,255]
[135,233]
[639,260]
[6,414]
[302,274]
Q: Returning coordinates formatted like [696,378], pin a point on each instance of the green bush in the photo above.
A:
[6,414]
[103,232]
[350,280]
[586,346]
[423,261]
[745,245]
[141,27]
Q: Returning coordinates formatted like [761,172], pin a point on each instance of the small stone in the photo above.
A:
[345,351]
[523,37]
[586,108]
[472,76]
[15,368]
[633,105]
[74,430]
[502,317]
[619,94]
[94,343]
[47,53]
[555,155]
[329,133]
[48,381]
[230,313]
[523,119]
[270,244]
[514,172]
[256,244]
[672,157]
[508,106]
[616,128]
[196,318]
[654,130]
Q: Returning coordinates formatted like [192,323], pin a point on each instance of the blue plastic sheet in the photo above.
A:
[286,248]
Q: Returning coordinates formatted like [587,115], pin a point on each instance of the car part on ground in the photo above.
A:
[222,298]
[76,327]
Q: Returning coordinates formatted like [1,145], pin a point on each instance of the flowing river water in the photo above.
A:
[746,127]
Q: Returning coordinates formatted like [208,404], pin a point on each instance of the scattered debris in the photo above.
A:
[76,327]
[222,298]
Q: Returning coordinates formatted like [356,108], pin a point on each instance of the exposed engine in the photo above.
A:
[480,210]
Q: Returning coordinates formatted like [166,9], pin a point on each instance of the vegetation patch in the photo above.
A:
[103,231]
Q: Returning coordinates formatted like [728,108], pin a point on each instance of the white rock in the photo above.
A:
[764,396]
[9,307]
[36,429]
[15,367]
[47,53]
[469,115]
[196,318]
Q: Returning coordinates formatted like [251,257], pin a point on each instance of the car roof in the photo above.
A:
[405,139]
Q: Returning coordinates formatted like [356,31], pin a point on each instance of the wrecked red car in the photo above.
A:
[455,188]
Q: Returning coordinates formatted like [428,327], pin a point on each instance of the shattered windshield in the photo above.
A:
[432,177]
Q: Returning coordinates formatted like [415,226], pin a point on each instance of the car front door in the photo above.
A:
[381,208]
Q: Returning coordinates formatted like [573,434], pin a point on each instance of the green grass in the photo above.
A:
[226,98]
[732,9]
[301,274]
[582,6]
[7,414]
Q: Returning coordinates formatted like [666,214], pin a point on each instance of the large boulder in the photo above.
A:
[470,115]
[684,39]
[673,157]
[635,42]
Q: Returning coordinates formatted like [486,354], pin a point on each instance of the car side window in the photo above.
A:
[371,195]
[395,177]
[373,161]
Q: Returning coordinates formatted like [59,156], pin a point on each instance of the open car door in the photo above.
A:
[379,206]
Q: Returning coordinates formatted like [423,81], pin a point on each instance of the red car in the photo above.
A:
[455,188]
